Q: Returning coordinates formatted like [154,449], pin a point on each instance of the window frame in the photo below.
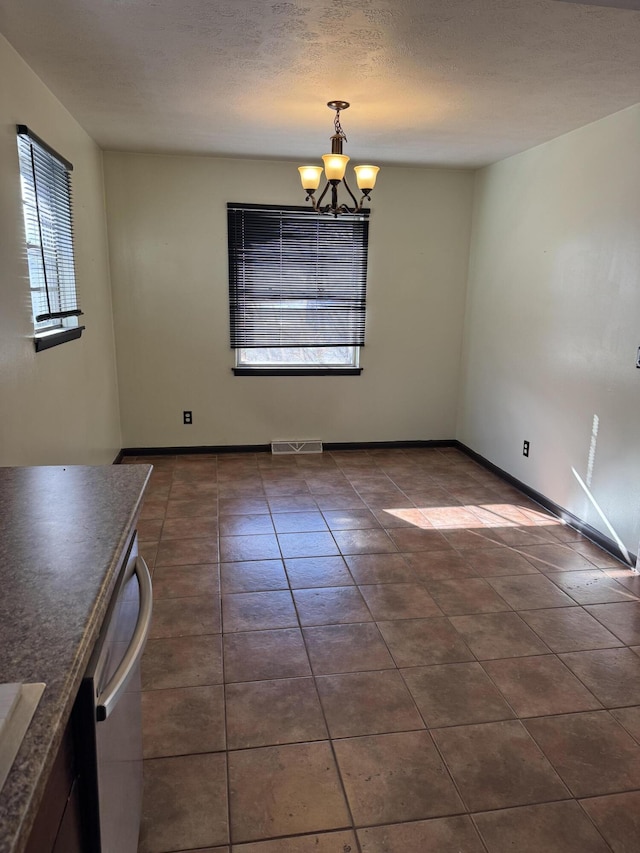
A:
[348,295]
[48,221]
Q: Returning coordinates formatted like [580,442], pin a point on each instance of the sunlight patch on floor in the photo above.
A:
[471,516]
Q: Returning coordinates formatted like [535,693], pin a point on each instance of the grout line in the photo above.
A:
[329,737]
[592,821]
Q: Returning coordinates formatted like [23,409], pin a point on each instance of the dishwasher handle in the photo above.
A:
[108,699]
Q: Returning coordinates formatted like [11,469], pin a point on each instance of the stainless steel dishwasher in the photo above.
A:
[112,748]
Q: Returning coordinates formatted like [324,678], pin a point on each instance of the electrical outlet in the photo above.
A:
[187,417]
[525,448]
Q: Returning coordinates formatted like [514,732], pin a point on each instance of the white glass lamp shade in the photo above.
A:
[366,176]
[335,165]
[310,177]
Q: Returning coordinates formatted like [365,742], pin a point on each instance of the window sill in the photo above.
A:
[297,371]
[54,339]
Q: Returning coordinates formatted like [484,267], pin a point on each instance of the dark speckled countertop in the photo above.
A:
[62,534]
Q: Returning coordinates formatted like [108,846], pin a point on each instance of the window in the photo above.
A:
[46,203]
[297,290]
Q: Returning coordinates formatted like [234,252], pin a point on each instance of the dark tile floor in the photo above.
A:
[382,651]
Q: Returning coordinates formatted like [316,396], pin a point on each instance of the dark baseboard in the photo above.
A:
[266,448]
[119,457]
[387,445]
[208,449]
[572,520]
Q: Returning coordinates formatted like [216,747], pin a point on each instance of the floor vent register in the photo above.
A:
[311,445]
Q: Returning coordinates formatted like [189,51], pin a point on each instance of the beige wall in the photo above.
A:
[168,243]
[61,405]
[553,321]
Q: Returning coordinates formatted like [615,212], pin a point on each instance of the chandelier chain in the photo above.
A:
[338,127]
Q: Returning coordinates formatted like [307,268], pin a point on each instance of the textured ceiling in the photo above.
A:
[432,82]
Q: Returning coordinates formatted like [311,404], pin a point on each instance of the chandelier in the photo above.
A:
[335,166]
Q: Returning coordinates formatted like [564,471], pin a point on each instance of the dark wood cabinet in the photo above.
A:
[58,826]
[70,839]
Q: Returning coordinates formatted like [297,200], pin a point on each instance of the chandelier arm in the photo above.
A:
[341,208]
[355,200]
[322,195]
